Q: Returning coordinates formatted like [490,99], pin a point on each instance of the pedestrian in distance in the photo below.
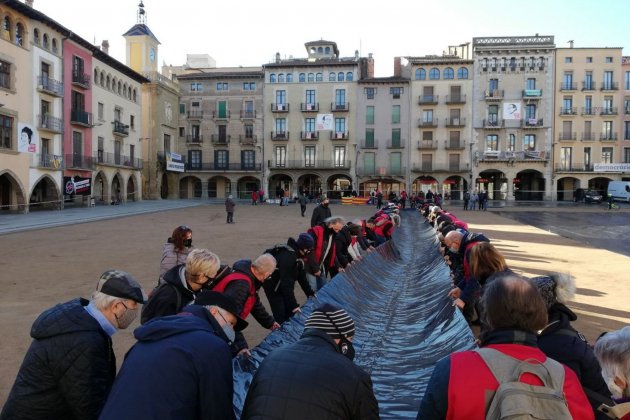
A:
[466,199]
[303,200]
[321,212]
[254,198]
[229,208]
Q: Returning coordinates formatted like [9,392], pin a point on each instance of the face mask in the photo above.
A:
[229,332]
[324,204]
[346,348]
[126,318]
[454,250]
[187,243]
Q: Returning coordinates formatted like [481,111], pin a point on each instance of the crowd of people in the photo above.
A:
[531,361]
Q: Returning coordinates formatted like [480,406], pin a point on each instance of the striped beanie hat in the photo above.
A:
[334,321]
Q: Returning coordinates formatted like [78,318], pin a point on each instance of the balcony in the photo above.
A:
[114,159]
[309,164]
[568,86]
[427,123]
[279,107]
[192,139]
[527,155]
[49,123]
[306,107]
[248,114]
[396,144]
[221,115]
[611,110]
[383,171]
[50,86]
[455,145]
[422,167]
[427,145]
[573,167]
[588,111]
[120,129]
[493,124]
[568,111]
[309,135]
[588,85]
[195,114]
[532,93]
[280,135]
[567,136]
[455,99]
[494,95]
[47,161]
[80,117]
[610,86]
[76,161]
[608,137]
[81,79]
[369,144]
[339,135]
[224,167]
[340,107]
[448,167]
[455,122]
[587,136]
[428,99]
[245,140]
[220,139]
[532,123]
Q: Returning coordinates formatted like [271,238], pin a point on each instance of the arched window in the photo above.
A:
[272,78]
[6,28]
[129,92]
[289,77]
[54,45]
[102,79]
[340,76]
[311,77]
[119,88]
[320,50]
[281,78]
[462,73]
[19,34]
[421,74]
[45,41]
[434,74]
[319,77]
[134,95]
[313,50]
[124,92]
[327,50]
[349,76]
[114,84]
[96,76]
[332,76]
[36,36]
[449,73]
[107,83]
[302,78]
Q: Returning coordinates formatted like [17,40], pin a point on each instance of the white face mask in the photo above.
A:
[228,330]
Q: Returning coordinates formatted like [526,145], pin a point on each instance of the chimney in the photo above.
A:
[29,3]
[105,46]
[277,57]
[396,66]
[571,44]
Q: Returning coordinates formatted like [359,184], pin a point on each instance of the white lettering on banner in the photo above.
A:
[611,167]
[174,166]
[175,156]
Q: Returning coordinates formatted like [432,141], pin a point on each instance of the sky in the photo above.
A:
[250,32]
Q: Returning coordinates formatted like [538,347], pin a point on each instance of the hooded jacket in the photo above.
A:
[169,297]
[68,370]
[180,368]
[320,213]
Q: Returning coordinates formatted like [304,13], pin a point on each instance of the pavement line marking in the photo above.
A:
[601,315]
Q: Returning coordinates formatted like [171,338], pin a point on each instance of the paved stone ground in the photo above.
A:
[43,266]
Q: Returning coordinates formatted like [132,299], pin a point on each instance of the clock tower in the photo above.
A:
[142,45]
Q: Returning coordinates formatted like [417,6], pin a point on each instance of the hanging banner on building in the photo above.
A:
[324,122]
[28,138]
[512,111]
[611,167]
[76,185]
[174,162]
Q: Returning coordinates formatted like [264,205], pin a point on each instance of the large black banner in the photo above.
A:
[77,185]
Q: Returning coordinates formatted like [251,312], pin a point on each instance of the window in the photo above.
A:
[567,105]
[369,137]
[182,131]
[281,156]
[281,97]
[588,105]
[369,92]
[6,28]
[309,156]
[493,85]
[587,157]
[530,84]
[302,78]
[565,158]
[281,78]
[626,130]
[319,77]
[589,59]
[608,80]
[289,77]
[281,127]
[332,77]
[395,137]
[249,131]
[101,149]
[626,155]
[395,160]
[272,78]
[626,80]
[221,159]
[182,108]
[132,122]
[340,76]
[310,97]
[309,125]
[369,166]
[340,98]
[6,131]
[194,159]
[77,149]
[427,116]
[449,73]
[5,75]
[349,76]
[194,87]
[493,114]
[492,142]
[529,142]
[609,60]
[567,81]
[568,60]
[220,86]
[45,43]
[434,74]
[607,155]
[340,126]
[340,156]
[54,45]
[167,143]
[248,159]
[421,74]
[36,36]
[607,105]
[396,114]
[311,77]
[511,143]
[369,115]
[101,111]
[396,92]
[462,73]
[19,34]
[607,130]
[249,86]
[588,80]
[530,112]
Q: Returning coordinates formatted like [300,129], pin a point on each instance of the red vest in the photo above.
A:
[385,230]
[251,298]
[319,232]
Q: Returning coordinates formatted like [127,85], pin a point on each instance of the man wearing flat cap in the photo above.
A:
[315,376]
[181,366]
[70,366]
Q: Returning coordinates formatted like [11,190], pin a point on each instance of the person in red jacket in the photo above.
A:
[324,252]
[462,385]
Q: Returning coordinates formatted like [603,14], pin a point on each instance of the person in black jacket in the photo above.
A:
[69,368]
[180,284]
[314,376]
[321,212]
[343,240]
[280,288]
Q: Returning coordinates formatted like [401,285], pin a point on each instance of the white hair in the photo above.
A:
[266,263]
[613,352]
[103,301]
[334,220]
[395,219]
[565,287]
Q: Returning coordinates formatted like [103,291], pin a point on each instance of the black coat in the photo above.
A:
[68,370]
[168,298]
[343,239]
[320,213]
[310,380]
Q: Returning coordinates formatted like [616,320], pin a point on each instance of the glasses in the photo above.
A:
[225,320]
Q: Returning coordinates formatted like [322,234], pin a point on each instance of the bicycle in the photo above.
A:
[613,206]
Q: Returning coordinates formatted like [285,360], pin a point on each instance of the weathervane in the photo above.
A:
[142,16]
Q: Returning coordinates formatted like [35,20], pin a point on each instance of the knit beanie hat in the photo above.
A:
[305,241]
[546,286]
[334,321]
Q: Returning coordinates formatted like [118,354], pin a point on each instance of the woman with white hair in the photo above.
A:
[613,352]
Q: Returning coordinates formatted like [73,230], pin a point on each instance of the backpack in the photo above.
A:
[520,401]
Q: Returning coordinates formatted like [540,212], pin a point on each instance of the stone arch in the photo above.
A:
[599,183]
[310,182]
[529,184]
[424,183]
[494,181]
[45,194]
[117,189]
[12,193]
[339,185]
[190,187]
[453,187]
[246,185]
[132,188]
[277,181]
[566,187]
[219,187]
[100,187]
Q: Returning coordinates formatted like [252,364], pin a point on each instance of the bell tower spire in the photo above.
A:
[142,14]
